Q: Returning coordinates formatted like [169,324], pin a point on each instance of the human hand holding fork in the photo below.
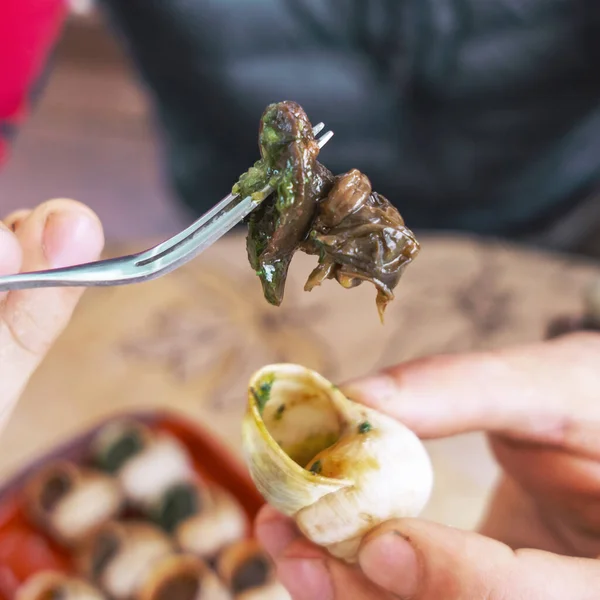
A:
[155,262]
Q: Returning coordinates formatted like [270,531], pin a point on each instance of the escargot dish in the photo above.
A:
[337,467]
[145,464]
[70,502]
[183,577]
[118,442]
[219,522]
[357,233]
[179,503]
[249,573]
[51,585]
[120,556]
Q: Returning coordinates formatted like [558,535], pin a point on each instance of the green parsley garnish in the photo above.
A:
[364,427]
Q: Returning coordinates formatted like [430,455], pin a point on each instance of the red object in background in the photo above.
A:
[24,550]
[28,31]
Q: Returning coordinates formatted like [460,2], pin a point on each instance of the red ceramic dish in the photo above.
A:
[24,550]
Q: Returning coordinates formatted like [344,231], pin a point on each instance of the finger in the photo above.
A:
[57,233]
[567,483]
[14,219]
[307,571]
[545,392]
[275,531]
[307,577]
[10,252]
[545,470]
[514,518]
[418,560]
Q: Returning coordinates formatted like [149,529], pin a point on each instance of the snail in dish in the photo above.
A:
[183,577]
[219,522]
[70,502]
[249,573]
[145,463]
[117,442]
[337,467]
[52,585]
[179,503]
[121,555]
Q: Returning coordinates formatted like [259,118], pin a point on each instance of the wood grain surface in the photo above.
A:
[189,342]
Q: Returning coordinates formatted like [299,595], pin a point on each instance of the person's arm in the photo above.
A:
[28,32]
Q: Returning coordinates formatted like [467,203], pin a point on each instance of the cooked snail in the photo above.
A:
[70,502]
[121,555]
[357,233]
[337,467]
[117,442]
[179,503]
[183,577]
[219,523]
[162,463]
[250,573]
[52,585]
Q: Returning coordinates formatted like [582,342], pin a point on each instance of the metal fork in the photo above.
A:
[157,261]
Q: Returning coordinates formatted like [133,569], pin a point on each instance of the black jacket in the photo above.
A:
[481,115]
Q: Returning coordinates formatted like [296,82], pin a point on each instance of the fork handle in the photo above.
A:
[107,272]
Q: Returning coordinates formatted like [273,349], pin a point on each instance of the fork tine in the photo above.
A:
[182,235]
[325,138]
[179,249]
[205,237]
[214,211]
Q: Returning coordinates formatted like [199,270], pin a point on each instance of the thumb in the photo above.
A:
[419,560]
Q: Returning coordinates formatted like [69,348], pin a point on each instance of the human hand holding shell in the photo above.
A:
[336,467]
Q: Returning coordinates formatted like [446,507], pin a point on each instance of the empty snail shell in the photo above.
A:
[249,572]
[337,467]
[183,577]
[50,585]
[70,502]
[121,555]
[220,522]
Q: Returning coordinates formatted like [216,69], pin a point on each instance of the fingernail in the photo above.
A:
[71,237]
[390,561]
[305,579]
[277,535]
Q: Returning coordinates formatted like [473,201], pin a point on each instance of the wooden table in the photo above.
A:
[189,342]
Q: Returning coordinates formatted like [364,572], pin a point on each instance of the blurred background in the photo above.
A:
[90,137]
[484,121]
